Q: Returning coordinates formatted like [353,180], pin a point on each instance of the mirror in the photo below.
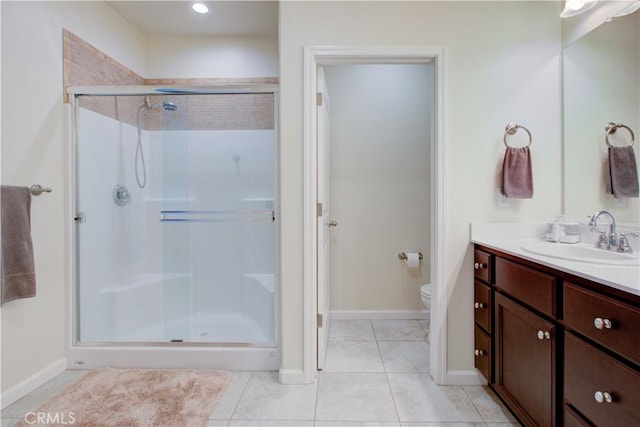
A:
[601,85]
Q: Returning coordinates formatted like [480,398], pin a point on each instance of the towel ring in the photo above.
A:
[613,127]
[511,129]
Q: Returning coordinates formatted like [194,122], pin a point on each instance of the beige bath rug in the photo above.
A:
[134,397]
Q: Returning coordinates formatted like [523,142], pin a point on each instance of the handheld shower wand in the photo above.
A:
[139,159]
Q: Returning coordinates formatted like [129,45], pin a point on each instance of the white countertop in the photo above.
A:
[510,238]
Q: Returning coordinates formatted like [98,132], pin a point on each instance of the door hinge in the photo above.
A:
[319,209]
[319,320]
[319,98]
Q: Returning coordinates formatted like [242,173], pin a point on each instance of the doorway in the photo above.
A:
[318,222]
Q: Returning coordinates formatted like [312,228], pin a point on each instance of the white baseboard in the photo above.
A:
[468,377]
[34,381]
[379,314]
[292,376]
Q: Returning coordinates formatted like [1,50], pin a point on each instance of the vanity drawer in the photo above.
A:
[482,352]
[590,313]
[589,372]
[482,265]
[482,305]
[532,287]
[572,419]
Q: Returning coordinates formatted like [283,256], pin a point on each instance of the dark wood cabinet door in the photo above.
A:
[525,362]
[604,390]
[572,419]
[583,309]
[482,267]
[482,305]
[482,353]
[532,287]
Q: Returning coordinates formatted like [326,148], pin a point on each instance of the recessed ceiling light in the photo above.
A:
[200,8]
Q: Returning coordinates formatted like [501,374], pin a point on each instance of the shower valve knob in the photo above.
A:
[333,224]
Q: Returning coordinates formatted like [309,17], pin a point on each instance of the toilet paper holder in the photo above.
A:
[403,255]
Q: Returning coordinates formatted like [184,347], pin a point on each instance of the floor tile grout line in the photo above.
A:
[386,376]
[315,407]
[244,389]
[474,405]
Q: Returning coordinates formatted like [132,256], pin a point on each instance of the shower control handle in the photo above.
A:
[333,223]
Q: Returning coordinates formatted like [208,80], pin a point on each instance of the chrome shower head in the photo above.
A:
[166,105]
[169,106]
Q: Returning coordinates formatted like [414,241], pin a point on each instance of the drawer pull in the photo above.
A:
[544,335]
[603,397]
[601,323]
[478,352]
[479,265]
[478,305]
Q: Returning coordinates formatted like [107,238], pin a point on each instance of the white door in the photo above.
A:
[324,221]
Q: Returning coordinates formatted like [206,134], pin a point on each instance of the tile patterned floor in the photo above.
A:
[376,375]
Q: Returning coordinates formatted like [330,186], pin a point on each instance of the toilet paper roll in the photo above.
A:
[413,260]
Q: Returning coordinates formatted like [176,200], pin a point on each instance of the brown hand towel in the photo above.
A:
[623,172]
[17,278]
[517,179]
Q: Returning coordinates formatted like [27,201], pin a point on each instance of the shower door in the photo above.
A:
[175,219]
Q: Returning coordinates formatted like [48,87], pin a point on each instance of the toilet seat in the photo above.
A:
[426,290]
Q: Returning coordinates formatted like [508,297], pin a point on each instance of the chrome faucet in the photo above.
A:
[604,241]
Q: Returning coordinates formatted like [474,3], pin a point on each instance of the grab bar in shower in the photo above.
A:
[218,216]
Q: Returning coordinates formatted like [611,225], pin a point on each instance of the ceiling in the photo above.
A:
[225,18]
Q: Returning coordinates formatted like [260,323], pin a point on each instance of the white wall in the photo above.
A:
[34,150]
[380,184]
[211,57]
[502,66]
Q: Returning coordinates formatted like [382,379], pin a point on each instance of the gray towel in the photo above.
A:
[517,179]
[622,179]
[17,278]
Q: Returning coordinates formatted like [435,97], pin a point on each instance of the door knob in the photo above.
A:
[333,224]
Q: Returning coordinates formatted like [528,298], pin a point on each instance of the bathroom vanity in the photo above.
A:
[558,341]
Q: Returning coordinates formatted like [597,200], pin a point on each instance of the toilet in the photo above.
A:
[425,294]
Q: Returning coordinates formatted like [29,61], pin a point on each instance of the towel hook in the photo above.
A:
[511,129]
[612,127]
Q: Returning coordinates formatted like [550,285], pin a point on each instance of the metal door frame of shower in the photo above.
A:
[88,355]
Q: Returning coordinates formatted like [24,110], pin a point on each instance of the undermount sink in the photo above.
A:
[582,252]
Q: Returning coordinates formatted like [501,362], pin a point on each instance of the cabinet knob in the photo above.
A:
[478,305]
[479,265]
[478,352]
[544,335]
[603,397]
[601,323]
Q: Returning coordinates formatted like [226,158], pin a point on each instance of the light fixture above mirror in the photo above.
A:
[632,7]
[576,7]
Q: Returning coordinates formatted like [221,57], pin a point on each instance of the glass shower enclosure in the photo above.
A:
[175,216]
